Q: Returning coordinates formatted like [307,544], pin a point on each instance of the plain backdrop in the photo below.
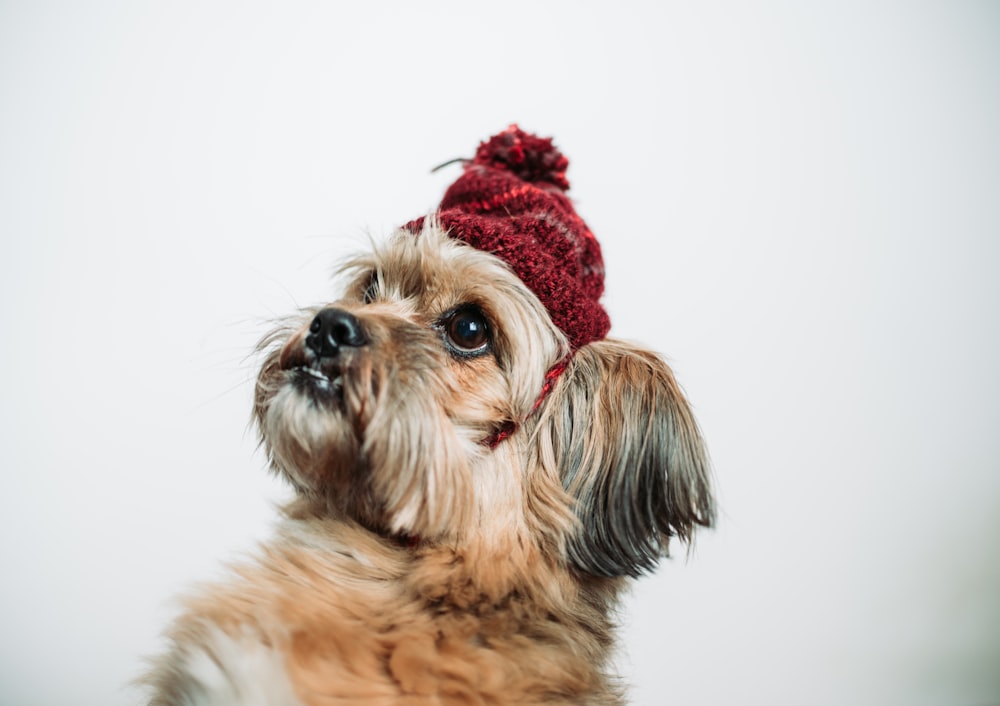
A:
[799,205]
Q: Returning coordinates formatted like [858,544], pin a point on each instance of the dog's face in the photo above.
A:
[378,408]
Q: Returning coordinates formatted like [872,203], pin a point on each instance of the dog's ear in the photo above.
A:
[630,454]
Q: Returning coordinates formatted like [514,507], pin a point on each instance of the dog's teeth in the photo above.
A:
[324,381]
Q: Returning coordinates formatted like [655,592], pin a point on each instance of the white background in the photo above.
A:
[799,204]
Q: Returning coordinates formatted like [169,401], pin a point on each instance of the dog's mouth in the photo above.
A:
[320,376]
[325,386]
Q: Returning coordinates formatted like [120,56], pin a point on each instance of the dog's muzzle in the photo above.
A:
[316,365]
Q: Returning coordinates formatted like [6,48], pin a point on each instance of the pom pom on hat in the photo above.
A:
[511,202]
[526,156]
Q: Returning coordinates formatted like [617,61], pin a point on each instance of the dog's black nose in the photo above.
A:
[331,330]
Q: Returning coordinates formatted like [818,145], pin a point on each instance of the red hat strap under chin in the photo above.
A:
[509,427]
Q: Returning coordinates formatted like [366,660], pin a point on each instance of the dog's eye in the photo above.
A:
[467,331]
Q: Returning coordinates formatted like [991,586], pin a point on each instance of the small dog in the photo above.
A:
[478,471]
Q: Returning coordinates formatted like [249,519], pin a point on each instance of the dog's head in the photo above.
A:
[440,397]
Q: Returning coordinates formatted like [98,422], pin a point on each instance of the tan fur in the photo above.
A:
[419,566]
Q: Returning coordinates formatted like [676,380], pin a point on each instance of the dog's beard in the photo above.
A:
[312,425]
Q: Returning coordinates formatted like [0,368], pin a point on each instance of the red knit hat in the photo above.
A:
[511,202]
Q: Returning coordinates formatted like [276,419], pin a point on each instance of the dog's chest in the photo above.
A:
[352,630]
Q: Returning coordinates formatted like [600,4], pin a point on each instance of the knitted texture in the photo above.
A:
[511,202]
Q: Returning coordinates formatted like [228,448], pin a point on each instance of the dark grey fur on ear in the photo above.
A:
[629,452]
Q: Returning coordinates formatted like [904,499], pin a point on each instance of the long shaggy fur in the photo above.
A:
[419,565]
